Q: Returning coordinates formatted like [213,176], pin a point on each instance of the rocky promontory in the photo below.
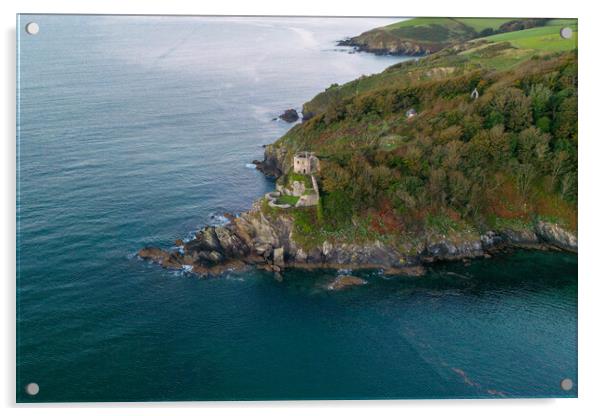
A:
[382,43]
[254,239]
[267,241]
[274,162]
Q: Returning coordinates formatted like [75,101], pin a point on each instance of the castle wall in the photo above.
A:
[302,165]
[305,164]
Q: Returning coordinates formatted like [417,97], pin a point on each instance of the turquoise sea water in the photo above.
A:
[136,131]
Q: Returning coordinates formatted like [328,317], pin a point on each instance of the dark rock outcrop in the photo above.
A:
[447,250]
[273,163]
[519,238]
[306,115]
[386,44]
[290,115]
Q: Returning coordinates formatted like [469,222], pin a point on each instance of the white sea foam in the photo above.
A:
[250,166]
[218,219]
[234,277]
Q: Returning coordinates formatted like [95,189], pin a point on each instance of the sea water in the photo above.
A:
[135,131]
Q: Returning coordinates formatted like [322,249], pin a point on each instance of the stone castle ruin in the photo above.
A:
[306,163]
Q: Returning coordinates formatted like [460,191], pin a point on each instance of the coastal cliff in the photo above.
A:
[255,239]
[274,161]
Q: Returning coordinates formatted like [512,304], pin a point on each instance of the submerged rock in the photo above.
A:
[343,282]
[154,254]
[413,271]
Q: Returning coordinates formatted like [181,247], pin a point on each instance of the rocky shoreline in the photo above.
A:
[389,46]
[254,239]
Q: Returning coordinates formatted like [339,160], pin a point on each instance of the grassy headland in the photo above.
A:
[425,35]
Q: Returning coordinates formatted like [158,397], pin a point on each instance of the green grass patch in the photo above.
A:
[545,38]
[500,55]
[267,210]
[481,23]
[307,231]
[442,224]
[292,177]
[390,142]
[475,23]
[287,199]
[421,21]
[552,219]
[498,223]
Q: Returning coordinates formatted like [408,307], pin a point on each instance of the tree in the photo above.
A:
[452,154]
[558,165]
[437,186]
[525,173]
[565,125]
[568,187]
[515,106]
[459,191]
[486,32]
[334,176]
[489,146]
[533,145]
[540,96]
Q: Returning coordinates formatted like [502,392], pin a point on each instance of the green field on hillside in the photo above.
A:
[545,38]
[476,23]
[481,23]
[506,50]
[421,21]
[430,29]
